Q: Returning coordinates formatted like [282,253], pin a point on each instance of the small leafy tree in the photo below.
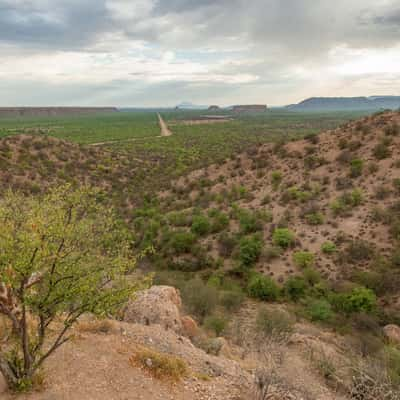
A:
[62,255]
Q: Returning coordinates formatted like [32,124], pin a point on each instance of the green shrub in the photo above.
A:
[249,250]
[274,323]
[316,218]
[356,167]
[182,241]
[295,288]
[200,298]
[319,310]
[263,288]
[283,237]
[312,276]
[200,225]
[272,252]
[215,323]
[220,222]
[304,259]
[328,247]
[359,300]
[249,222]
[276,177]
[231,300]
[177,218]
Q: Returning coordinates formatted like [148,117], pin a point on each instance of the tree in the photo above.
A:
[62,255]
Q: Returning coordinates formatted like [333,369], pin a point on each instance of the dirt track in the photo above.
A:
[164,132]
[164,128]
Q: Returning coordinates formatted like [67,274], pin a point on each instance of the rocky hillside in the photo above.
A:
[334,196]
[33,163]
[313,224]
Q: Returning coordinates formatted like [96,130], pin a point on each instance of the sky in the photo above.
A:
[162,52]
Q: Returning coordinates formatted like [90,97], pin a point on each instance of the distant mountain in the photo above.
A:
[186,105]
[347,103]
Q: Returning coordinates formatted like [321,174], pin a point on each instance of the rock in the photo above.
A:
[190,328]
[157,305]
[392,333]
[225,350]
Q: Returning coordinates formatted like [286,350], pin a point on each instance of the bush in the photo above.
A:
[283,237]
[276,179]
[200,298]
[215,323]
[226,244]
[295,288]
[200,225]
[359,300]
[319,310]
[263,288]
[358,251]
[304,259]
[182,241]
[356,167]
[249,222]
[249,250]
[220,222]
[381,151]
[316,218]
[274,323]
[231,300]
[328,247]
[312,276]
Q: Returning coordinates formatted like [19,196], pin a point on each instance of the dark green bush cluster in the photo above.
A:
[283,237]
[250,248]
[200,225]
[263,288]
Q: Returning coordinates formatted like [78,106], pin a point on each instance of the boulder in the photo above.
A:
[392,333]
[190,328]
[157,305]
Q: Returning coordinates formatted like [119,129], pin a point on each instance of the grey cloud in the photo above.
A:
[59,24]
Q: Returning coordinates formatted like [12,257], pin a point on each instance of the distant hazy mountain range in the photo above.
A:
[347,103]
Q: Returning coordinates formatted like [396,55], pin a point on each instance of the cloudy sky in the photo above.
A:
[162,52]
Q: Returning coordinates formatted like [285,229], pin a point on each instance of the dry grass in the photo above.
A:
[161,366]
[104,326]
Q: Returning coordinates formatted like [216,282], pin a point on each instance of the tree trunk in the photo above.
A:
[8,373]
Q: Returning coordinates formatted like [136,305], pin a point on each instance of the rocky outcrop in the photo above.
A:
[158,305]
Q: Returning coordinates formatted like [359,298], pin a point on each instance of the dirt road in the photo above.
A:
[164,128]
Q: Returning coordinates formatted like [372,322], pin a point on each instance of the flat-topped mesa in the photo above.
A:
[250,108]
[52,111]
